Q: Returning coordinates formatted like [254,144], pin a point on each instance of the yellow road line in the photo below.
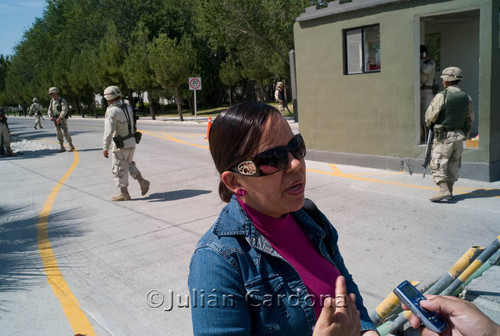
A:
[377,174]
[76,317]
[171,138]
[335,170]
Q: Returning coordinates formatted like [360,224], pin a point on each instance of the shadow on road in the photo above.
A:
[479,193]
[20,264]
[89,150]
[176,195]
[23,148]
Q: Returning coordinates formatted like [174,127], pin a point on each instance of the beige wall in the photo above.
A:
[376,113]
[490,72]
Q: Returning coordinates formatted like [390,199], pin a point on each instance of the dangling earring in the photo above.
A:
[241,192]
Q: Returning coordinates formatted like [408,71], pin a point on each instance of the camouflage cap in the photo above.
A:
[452,74]
[53,90]
[35,100]
[112,92]
[280,84]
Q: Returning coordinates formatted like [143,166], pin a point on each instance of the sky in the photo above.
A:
[15,18]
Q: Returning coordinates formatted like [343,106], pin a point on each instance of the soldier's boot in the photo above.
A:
[62,149]
[450,187]
[72,147]
[35,127]
[143,183]
[444,193]
[124,195]
[9,152]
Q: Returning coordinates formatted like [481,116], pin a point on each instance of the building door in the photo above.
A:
[453,40]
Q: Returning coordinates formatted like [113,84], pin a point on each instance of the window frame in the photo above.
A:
[363,48]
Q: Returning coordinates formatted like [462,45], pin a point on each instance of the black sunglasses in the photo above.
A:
[272,160]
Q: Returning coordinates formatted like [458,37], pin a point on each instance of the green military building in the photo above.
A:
[358,79]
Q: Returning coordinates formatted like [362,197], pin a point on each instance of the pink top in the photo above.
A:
[291,242]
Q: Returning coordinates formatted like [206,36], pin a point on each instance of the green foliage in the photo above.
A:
[251,29]
[171,61]
[110,58]
[433,43]
[4,68]
[229,74]
[136,68]
[83,46]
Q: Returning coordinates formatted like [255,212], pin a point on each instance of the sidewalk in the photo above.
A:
[484,292]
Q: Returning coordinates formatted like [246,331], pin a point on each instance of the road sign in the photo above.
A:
[195,83]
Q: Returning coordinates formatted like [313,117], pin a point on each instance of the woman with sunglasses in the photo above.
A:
[267,267]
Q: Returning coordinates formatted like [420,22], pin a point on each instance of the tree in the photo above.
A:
[137,70]
[4,67]
[82,46]
[254,68]
[230,75]
[244,26]
[110,58]
[171,61]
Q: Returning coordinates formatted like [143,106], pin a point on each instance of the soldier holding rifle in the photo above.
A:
[279,95]
[450,116]
[58,113]
[36,111]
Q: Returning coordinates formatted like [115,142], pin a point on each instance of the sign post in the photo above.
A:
[195,85]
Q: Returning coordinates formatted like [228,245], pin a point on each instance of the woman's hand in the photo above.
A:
[339,316]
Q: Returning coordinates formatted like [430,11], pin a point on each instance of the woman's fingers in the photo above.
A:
[339,315]
[346,312]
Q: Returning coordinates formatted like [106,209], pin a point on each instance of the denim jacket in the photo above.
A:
[239,285]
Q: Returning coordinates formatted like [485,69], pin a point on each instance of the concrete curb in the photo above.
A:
[484,292]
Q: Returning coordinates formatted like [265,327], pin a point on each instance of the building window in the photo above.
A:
[362,50]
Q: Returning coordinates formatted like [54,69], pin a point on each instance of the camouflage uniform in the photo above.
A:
[279,95]
[453,117]
[36,111]
[5,134]
[119,121]
[58,109]
[115,123]
[427,72]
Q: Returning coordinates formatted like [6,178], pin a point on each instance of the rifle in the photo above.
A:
[428,150]
[430,137]
[286,106]
[58,109]
[54,120]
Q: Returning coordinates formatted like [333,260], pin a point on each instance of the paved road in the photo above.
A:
[73,261]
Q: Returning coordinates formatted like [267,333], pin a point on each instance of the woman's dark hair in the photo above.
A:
[235,136]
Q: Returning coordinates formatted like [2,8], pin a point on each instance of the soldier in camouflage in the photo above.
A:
[451,115]
[427,72]
[36,111]
[119,126]
[5,134]
[58,112]
[279,96]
